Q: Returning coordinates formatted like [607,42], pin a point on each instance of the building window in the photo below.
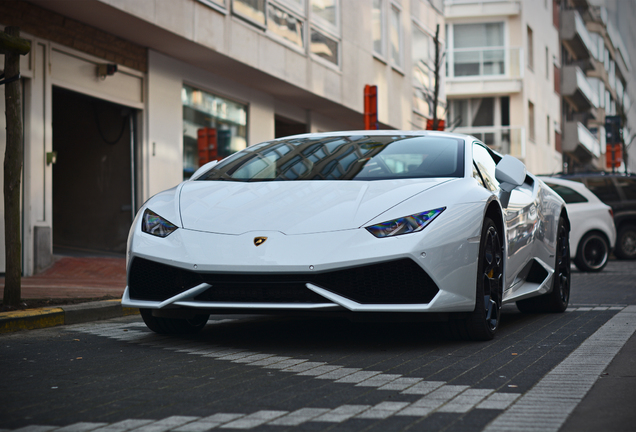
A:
[531,120]
[548,131]
[547,63]
[395,36]
[530,49]
[325,29]
[252,10]
[422,50]
[377,27]
[478,49]
[285,25]
[214,3]
[213,128]
[323,46]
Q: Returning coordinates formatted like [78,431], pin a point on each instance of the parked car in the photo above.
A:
[364,222]
[619,192]
[593,234]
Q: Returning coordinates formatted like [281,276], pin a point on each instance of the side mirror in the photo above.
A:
[510,173]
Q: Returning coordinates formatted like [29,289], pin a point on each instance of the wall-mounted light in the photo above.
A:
[106,69]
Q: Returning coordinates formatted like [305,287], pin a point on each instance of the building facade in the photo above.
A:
[120,94]
[596,73]
[502,81]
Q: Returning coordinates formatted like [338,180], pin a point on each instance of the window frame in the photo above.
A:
[399,64]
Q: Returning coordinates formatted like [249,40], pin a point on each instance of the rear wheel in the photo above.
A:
[592,253]
[626,242]
[556,300]
[483,322]
[173,325]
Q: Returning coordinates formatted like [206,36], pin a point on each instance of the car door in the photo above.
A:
[521,215]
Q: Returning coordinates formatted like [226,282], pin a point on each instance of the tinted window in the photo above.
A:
[602,188]
[627,186]
[344,158]
[569,195]
[486,165]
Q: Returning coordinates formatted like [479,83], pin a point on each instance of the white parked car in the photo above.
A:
[593,234]
[421,224]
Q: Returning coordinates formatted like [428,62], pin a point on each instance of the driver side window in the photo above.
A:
[486,165]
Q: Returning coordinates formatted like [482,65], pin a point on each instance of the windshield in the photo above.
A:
[344,158]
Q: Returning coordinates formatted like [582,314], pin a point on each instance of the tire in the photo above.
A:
[592,253]
[626,242]
[558,298]
[173,325]
[482,323]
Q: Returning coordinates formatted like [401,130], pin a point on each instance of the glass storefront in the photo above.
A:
[213,128]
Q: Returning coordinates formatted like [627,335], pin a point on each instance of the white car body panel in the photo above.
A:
[319,226]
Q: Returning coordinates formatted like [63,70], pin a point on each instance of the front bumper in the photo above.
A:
[430,271]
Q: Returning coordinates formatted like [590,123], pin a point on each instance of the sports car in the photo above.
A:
[398,224]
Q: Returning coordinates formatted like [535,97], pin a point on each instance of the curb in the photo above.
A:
[71,314]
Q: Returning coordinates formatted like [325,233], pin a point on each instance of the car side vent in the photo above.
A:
[149,280]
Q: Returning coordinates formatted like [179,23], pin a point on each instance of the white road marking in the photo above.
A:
[555,396]
[561,390]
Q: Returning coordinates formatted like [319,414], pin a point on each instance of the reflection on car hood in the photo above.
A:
[291,207]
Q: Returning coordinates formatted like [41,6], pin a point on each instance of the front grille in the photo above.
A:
[392,282]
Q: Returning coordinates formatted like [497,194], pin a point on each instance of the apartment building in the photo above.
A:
[596,71]
[119,94]
[502,80]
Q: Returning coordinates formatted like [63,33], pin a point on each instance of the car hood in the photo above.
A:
[291,207]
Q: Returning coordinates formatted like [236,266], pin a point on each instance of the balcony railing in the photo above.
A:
[495,62]
[504,139]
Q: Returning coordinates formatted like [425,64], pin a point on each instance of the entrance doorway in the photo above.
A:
[92,177]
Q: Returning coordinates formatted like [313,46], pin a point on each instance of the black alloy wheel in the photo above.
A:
[592,253]
[492,278]
[483,322]
[626,242]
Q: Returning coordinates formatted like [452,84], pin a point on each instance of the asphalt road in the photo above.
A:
[275,374]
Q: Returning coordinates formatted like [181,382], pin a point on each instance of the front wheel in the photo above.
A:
[626,243]
[482,323]
[592,253]
[173,325]
[558,299]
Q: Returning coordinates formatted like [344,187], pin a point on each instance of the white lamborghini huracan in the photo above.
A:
[413,224]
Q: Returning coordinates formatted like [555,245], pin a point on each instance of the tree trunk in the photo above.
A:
[12,175]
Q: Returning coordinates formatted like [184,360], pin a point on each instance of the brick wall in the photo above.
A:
[65,31]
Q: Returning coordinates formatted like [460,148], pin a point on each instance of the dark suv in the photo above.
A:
[619,192]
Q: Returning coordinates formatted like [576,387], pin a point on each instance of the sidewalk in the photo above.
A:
[71,278]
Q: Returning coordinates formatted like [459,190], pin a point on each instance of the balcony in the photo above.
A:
[484,71]
[484,8]
[574,34]
[577,90]
[504,139]
[577,139]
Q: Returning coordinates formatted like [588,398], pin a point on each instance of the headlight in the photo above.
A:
[405,225]
[155,225]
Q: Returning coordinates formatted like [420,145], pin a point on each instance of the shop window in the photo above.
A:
[213,128]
